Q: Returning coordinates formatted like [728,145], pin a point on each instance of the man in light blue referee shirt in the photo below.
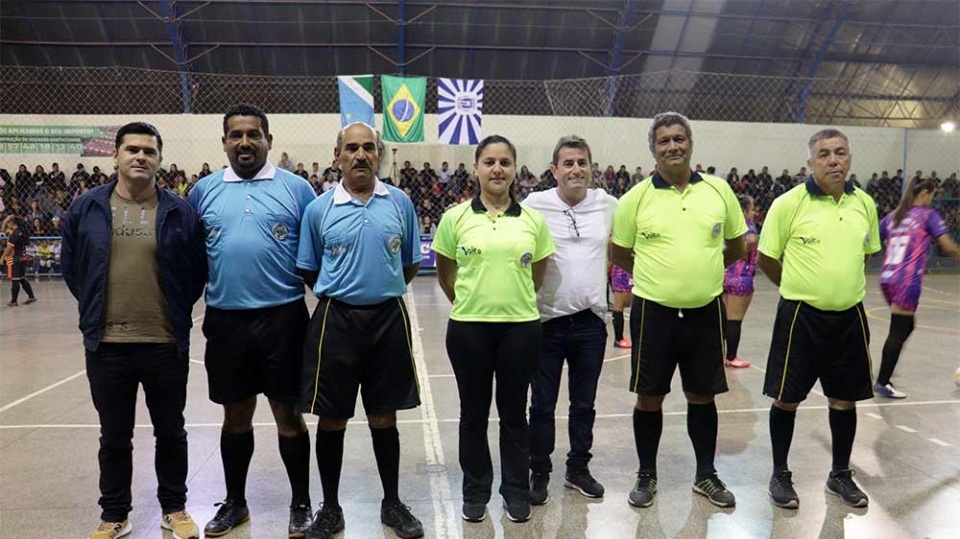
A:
[360,248]
[256,317]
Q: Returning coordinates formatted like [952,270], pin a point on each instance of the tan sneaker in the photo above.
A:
[181,524]
[112,530]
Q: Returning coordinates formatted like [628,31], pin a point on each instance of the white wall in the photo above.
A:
[190,140]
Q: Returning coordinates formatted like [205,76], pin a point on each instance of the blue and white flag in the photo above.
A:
[460,107]
[356,99]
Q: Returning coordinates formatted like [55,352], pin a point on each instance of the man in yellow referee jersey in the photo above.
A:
[814,244]
[676,231]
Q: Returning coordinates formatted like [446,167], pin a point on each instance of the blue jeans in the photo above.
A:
[580,339]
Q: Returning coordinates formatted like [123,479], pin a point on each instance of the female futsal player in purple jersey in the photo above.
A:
[906,233]
[738,287]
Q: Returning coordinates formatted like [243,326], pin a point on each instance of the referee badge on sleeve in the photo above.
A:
[394,244]
[717,228]
[525,260]
[280,231]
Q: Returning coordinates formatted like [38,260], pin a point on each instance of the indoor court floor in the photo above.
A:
[907,453]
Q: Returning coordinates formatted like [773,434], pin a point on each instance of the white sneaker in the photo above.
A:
[889,392]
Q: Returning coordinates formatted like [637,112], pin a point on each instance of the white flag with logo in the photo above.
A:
[460,108]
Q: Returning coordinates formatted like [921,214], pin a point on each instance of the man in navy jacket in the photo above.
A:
[133,256]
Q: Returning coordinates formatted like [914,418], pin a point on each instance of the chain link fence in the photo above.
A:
[742,124]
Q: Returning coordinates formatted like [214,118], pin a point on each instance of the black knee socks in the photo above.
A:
[295,453]
[702,429]
[733,338]
[901,326]
[843,428]
[236,450]
[647,428]
[618,325]
[781,434]
[15,291]
[330,462]
[386,449]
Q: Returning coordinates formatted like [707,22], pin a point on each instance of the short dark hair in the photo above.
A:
[825,134]
[138,128]
[571,141]
[246,109]
[666,119]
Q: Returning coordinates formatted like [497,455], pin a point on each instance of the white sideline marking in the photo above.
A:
[444,521]
[939,442]
[872,415]
[41,391]
[906,429]
[455,420]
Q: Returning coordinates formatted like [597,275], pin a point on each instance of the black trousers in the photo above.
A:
[481,352]
[115,372]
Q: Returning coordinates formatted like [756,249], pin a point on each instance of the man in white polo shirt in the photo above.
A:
[572,304]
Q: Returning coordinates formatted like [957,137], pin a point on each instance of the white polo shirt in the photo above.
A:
[576,278]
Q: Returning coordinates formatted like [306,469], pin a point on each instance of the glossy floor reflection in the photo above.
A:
[907,453]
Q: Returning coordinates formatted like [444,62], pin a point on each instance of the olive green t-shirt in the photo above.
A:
[135,309]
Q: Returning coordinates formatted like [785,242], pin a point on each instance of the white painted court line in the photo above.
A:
[905,428]
[436,420]
[198,318]
[872,415]
[939,442]
[41,391]
[444,520]
[197,361]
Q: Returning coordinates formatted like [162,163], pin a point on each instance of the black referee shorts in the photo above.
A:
[665,337]
[16,270]
[808,344]
[365,347]
[253,351]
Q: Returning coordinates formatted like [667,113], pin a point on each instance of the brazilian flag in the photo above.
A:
[403,100]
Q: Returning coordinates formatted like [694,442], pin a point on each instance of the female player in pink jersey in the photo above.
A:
[906,233]
[738,286]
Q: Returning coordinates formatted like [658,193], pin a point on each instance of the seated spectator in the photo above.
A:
[329,182]
[637,176]
[460,178]
[427,226]
[302,172]
[801,176]
[39,179]
[950,187]
[444,175]
[623,175]
[204,170]
[285,162]
[428,176]
[56,178]
[408,176]
[39,228]
[78,176]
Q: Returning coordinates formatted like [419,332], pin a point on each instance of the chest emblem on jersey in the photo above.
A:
[471,251]
[810,240]
[394,244]
[650,235]
[280,231]
[717,228]
[525,260]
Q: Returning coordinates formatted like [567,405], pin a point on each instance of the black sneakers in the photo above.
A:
[474,512]
[584,482]
[326,523]
[644,490]
[781,491]
[714,490]
[230,515]
[538,488]
[517,510]
[301,517]
[841,484]
[398,516]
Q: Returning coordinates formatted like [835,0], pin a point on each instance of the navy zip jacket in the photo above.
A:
[85,253]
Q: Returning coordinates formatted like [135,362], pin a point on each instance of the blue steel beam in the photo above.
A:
[818,60]
[179,49]
[616,52]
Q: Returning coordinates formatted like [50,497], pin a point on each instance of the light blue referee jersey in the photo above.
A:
[252,228]
[360,249]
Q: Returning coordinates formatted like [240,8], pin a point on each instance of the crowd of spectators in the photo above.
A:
[42,196]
